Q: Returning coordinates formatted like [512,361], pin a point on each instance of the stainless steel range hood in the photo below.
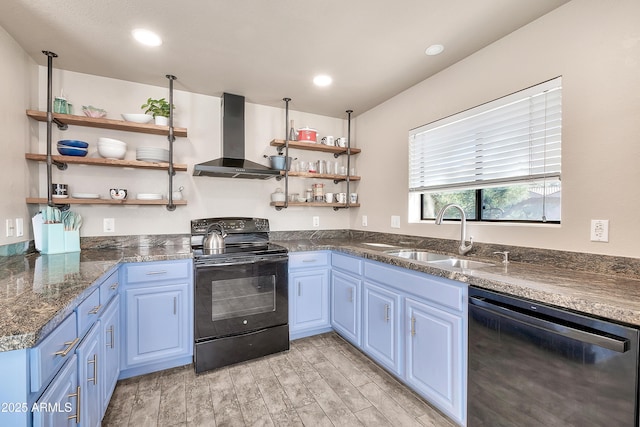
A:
[233,164]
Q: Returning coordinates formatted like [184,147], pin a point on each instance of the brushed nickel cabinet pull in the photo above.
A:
[95,309]
[350,294]
[386,312]
[114,286]
[77,396]
[299,290]
[94,362]
[413,326]
[153,273]
[110,331]
[175,305]
[70,345]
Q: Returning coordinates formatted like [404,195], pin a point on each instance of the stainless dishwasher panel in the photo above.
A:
[534,365]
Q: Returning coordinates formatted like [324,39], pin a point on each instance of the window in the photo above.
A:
[500,161]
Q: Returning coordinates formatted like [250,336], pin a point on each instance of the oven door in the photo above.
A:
[241,296]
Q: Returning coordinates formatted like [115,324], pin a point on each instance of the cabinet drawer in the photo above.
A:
[308,259]
[88,311]
[445,292]
[347,263]
[154,271]
[109,288]
[48,356]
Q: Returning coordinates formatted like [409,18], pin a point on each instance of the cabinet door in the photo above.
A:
[110,327]
[57,407]
[434,353]
[308,299]
[345,306]
[90,359]
[157,323]
[381,326]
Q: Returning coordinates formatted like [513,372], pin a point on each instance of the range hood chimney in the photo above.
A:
[233,164]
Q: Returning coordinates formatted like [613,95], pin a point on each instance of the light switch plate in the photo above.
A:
[364,221]
[109,225]
[395,221]
[19,227]
[316,221]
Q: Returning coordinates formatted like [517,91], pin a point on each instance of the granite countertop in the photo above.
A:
[38,291]
[607,296]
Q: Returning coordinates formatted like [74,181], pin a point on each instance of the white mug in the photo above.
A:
[353,198]
[327,140]
[341,197]
[328,197]
[341,142]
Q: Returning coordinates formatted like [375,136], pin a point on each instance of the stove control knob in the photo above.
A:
[240,224]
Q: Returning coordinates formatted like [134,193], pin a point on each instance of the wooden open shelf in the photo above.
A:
[317,204]
[72,201]
[313,147]
[70,119]
[98,161]
[322,176]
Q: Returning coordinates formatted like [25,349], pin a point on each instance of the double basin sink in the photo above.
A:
[436,259]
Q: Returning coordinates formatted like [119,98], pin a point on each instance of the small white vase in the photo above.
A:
[161,121]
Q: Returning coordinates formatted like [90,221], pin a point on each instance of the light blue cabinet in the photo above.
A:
[158,316]
[110,340]
[345,305]
[58,405]
[434,355]
[90,358]
[381,326]
[308,298]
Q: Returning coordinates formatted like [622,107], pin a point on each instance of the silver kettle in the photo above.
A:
[214,239]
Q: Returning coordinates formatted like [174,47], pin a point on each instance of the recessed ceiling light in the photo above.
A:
[322,80]
[146,37]
[434,49]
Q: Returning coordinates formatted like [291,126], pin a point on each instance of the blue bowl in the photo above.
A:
[73,143]
[70,151]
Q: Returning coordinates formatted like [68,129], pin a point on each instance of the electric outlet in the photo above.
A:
[364,220]
[9,225]
[19,227]
[316,221]
[599,230]
[109,225]
[395,221]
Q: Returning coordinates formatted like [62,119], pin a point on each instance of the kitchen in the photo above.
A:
[594,46]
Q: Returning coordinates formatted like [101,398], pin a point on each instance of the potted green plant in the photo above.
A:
[159,108]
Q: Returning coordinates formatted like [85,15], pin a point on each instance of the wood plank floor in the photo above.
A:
[321,381]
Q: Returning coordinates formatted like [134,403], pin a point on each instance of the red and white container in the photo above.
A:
[307,135]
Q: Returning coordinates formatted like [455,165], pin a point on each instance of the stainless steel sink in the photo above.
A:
[437,259]
[417,255]
[461,263]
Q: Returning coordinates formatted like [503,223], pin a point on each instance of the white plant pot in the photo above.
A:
[161,121]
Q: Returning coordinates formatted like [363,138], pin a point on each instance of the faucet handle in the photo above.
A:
[505,255]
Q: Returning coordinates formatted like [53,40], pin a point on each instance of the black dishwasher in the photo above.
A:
[535,365]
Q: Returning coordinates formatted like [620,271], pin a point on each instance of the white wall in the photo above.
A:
[206,196]
[18,77]
[595,46]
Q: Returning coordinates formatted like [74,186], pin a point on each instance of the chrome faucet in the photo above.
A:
[463,248]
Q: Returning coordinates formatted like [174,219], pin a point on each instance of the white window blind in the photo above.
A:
[514,138]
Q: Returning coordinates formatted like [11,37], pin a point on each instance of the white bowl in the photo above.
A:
[112,152]
[111,141]
[137,118]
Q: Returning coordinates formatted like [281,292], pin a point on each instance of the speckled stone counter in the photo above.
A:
[604,295]
[38,291]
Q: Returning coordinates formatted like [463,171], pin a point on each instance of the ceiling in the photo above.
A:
[267,50]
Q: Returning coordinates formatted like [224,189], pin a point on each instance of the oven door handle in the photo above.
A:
[255,260]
